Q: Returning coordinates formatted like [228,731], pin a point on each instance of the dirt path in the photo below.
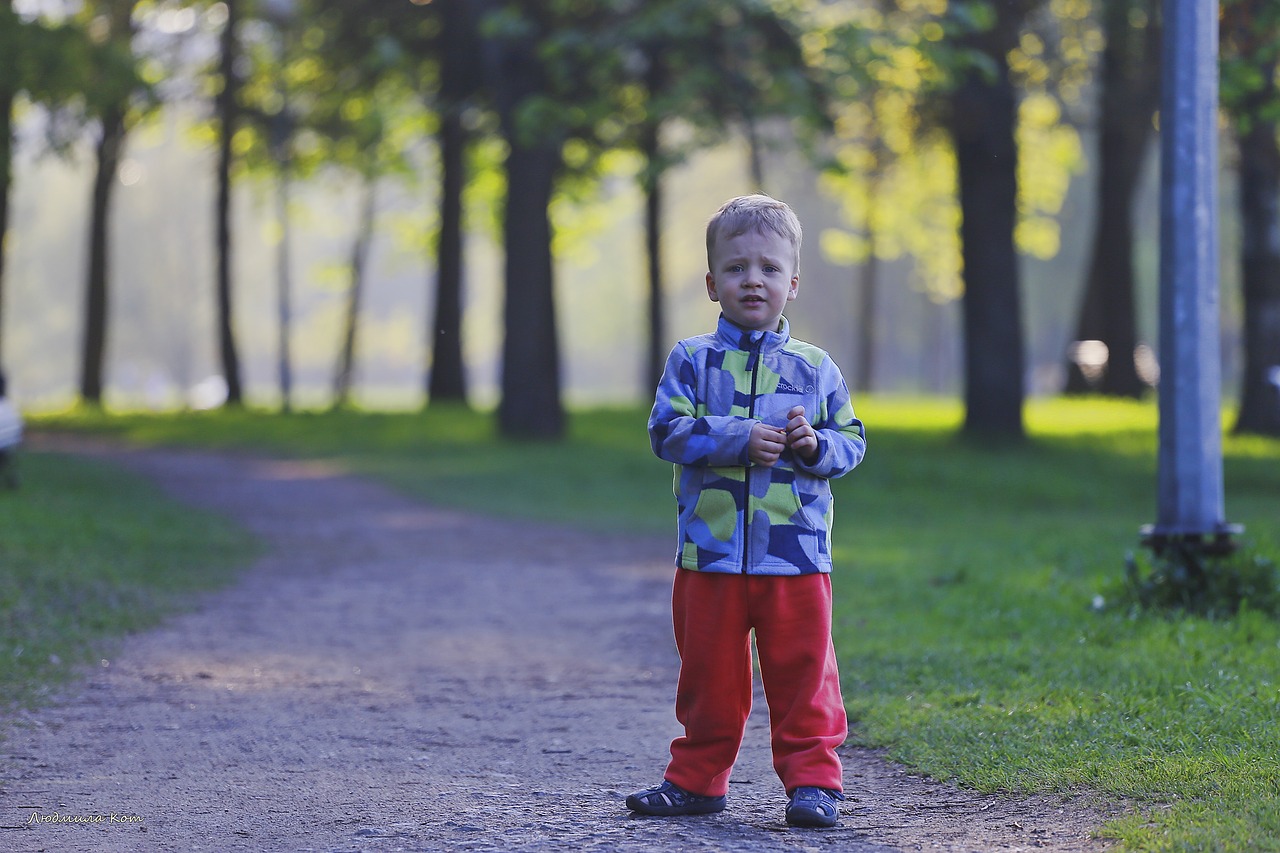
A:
[392,676]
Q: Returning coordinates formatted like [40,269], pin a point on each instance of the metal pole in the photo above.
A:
[1189,482]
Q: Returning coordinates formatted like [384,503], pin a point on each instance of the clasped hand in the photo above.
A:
[767,442]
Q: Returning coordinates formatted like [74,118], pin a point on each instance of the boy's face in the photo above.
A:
[753,277]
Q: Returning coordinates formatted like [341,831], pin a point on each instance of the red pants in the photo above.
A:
[714,614]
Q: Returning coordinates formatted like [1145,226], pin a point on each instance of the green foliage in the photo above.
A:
[77,68]
[88,553]
[1248,66]
[336,85]
[1183,579]
[888,141]
[608,72]
[888,144]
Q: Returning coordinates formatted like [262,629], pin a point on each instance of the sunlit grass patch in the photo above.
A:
[1084,416]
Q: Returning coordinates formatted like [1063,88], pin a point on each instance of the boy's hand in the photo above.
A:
[766,445]
[801,438]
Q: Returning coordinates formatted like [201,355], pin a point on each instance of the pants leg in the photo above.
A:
[713,697]
[792,618]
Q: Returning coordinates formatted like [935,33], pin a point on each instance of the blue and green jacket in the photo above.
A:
[734,516]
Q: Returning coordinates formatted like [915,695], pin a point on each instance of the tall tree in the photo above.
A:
[712,66]
[1250,56]
[49,64]
[432,49]
[107,150]
[458,85]
[110,89]
[520,81]
[651,185]
[868,285]
[899,136]
[9,86]
[228,111]
[551,78]
[887,145]
[345,372]
[1128,95]
[331,74]
[282,15]
[983,125]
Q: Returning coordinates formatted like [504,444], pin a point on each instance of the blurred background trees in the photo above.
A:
[973,177]
[1250,34]
[1128,96]
[113,95]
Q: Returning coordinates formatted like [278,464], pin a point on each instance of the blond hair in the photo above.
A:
[754,213]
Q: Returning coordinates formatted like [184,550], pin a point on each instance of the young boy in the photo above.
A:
[756,424]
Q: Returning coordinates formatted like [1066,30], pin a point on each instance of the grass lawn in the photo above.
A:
[88,553]
[967,587]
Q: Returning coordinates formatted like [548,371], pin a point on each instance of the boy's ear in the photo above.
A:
[794,289]
[711,288]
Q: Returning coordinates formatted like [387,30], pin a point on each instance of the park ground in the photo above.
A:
[981,621]
[388,675]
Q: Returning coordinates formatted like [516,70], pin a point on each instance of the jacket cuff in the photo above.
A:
[816,468]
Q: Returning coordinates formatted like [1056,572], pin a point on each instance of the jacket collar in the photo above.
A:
[733,336]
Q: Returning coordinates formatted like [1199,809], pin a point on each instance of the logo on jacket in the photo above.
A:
[785,387]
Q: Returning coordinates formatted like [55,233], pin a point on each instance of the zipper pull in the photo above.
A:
[753,352]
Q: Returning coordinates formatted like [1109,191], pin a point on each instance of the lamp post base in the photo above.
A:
[1216,543]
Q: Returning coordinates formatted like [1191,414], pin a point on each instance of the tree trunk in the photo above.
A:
[755,148]
[447,374]
[530,406]
[982,124]
[1129,96]
[657,314]
[228,110]
[868,286]
[355,293]
[652,187]
[93,354]
[656,79]
[1260,262]
[6,181]
[7,97]
[284,286]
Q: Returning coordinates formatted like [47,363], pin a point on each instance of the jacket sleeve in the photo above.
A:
[676,432]
[842,441]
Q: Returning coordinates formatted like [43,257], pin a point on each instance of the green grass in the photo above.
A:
[966,579]
[971,647]
[88,553]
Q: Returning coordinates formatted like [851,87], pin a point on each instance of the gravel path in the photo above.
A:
[393,676]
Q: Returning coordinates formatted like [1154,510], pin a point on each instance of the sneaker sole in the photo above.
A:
[811,821]
[675,811]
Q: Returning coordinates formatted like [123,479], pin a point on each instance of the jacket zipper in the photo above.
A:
[754,361]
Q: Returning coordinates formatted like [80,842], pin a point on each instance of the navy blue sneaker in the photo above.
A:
[669,799]
[815,807]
